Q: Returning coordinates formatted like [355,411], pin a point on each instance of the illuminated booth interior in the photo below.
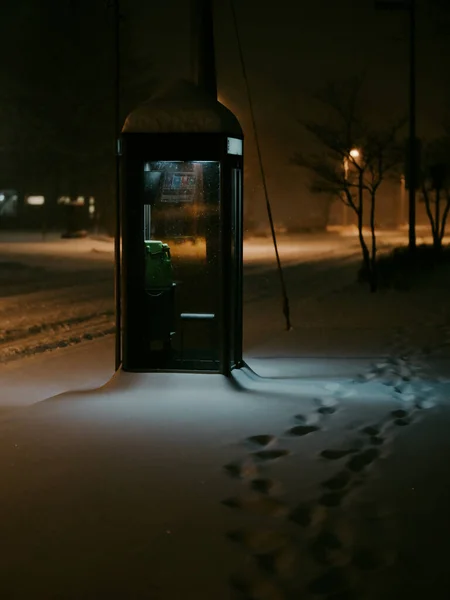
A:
[181,221]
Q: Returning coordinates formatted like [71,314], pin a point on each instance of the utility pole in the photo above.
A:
[410,6]
[118,232]
[115,5]
[203,56]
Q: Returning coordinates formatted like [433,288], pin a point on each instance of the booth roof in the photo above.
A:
[182,108]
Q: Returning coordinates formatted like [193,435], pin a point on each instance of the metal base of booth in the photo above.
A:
[183,365]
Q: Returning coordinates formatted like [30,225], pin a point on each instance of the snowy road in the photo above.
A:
[57,310]
[57,293]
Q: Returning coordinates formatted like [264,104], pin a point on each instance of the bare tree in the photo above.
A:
[354,160]
[435,186]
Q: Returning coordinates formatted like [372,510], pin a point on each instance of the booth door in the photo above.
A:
[182,267]
[236,269]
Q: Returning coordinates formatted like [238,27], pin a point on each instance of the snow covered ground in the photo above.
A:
[160,486]
[325,477]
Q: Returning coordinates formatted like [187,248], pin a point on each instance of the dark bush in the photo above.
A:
[401,271]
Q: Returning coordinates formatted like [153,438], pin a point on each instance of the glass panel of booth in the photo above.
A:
[181,241]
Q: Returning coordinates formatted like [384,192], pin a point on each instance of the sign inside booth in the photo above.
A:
[179,187]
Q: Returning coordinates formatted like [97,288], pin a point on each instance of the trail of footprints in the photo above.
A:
[272,553]
[405,368]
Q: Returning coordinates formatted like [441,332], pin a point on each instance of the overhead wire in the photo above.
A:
[285,298]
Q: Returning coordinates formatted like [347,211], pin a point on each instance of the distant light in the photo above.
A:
[234,146]
[79,201]
[91,201]
[2,197]
[35,200]
[354,153]
[64,200]
[91,209]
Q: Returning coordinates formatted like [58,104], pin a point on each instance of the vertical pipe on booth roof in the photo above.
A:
[203,56]
[204,75]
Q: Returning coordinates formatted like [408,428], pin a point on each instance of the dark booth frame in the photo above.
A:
[138,149]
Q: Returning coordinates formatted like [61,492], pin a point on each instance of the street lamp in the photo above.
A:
[354,153]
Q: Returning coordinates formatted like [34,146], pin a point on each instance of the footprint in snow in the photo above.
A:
[338,482]
[245,469]
[301,430]
[261,440]
[265,486]
[373,432]
[327,410]
[303,419]
[267,455]
[363,459]
[401,417]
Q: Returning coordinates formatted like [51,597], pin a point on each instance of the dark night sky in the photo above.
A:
[290,50]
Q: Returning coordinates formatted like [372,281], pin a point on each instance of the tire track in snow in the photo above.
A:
[10,336]
[58,335]
[66,308]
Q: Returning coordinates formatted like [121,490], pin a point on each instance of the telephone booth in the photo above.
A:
[181,222]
